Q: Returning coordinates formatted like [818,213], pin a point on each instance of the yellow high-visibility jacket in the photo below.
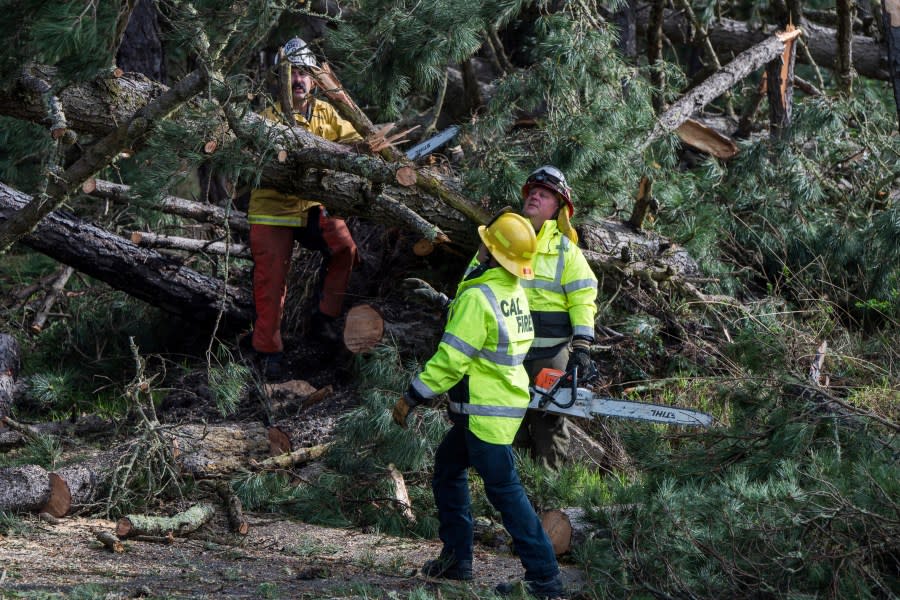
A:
[563,293]
[270,207]
[480,356]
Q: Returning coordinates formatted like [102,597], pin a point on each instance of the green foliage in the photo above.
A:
[774,505]
[12,524]
[23,148]
[44,451]
[228,384]
[77,37]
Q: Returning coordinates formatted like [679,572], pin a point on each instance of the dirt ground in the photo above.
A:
[277,559]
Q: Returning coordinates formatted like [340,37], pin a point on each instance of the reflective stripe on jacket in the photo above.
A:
[487,336]
[563,293]
[270,207]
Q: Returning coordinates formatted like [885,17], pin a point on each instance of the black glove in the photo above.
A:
[423,289]
[580,357]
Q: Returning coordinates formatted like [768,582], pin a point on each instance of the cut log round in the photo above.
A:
[559,529]
[23,489]
[363,328]
[406,176]
[75,487]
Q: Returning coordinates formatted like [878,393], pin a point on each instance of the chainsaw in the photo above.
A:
[557,392]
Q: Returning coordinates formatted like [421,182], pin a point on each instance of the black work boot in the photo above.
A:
[270,364]
[447,567]
[324,329]
[551,587]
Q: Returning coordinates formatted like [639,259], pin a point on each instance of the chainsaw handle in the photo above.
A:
[548,396]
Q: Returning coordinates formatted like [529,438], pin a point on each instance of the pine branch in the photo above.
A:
[98,156]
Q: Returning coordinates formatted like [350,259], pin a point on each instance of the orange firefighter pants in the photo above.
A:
[271,247]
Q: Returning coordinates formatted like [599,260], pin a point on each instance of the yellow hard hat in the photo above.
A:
[510,239]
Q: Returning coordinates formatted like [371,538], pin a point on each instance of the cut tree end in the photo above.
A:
[363,328]
[423,247]
[60,501]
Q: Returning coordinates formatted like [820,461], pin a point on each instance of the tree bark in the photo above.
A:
[10,365]
[217,450]
[23,489]
[142,273]
[179,524]
[780,89]
[146,239]
[730,37]
[720,81]
[891,13]
[76,487]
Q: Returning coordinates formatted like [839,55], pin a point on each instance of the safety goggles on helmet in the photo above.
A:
[553,179]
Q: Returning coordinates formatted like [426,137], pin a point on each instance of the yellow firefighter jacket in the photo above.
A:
[270,207]
[480,356]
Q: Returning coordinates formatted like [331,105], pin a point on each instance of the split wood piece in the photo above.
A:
[297,457]
[279,441]
[237,522]
[815,369]
[23,489]
[173,205]
[153,240]
[76,487]
[643,203]
[891,14]
[50,299]
[401,495]
[317,396]
[10,365]
[706,139]
[179,524]
[216,450]
[110,542]
[363,328]
[719,82]
[780,82]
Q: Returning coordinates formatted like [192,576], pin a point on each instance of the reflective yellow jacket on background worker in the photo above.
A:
[270,207]
[479,359]
[562,294]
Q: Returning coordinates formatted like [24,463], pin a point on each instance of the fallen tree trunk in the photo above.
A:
[179,524]
[208,213]
[297,457]
[76,487]
[142,273]
[217,450]
[10,365]
[23,489]
[20,433]
[730,37]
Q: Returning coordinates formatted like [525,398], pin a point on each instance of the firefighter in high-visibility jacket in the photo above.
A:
[562,297]
[479,362]
[277,220]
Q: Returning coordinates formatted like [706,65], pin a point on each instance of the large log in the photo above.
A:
[23,489]
[730,37]
[10,365]
[140,272]
[76,487]
[216,450]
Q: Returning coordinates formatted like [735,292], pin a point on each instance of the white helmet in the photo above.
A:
[297,52]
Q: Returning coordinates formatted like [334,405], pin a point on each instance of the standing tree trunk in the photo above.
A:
[843,61]
[891,12]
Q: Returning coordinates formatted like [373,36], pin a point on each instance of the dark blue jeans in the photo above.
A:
[460,450]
